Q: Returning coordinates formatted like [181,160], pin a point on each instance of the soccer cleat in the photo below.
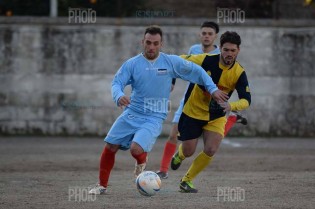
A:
[98,189]
[176,161]
[187,187]
[240,118]
[139,169]
[162,175]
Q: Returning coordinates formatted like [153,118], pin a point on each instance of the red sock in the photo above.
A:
[106,165]
[142,158]
[229,124]
[168,153]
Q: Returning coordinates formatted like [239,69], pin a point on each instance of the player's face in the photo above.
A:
[151,45]
[207,36]
[229,53]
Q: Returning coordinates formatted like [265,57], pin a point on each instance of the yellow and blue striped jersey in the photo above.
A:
[198,103]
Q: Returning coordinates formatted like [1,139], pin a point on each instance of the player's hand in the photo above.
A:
[220,96]
[226,106]
[124,101]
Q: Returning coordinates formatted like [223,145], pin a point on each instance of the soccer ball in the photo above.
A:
[148,183]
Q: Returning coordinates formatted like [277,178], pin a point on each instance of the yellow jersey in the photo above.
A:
[198,103]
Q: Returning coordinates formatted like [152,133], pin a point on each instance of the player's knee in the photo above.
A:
[112,147]
[172,139]
[188,152]
[136,149]
[210,151]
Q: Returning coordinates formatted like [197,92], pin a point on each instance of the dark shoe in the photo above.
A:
[162,174]
[176,161]
[240,118]
[187,187]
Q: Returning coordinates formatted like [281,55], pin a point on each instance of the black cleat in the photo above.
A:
[162,174]
[240,118]
[176,161]
[187,187]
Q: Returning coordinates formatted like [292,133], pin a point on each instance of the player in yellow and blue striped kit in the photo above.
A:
[203,115]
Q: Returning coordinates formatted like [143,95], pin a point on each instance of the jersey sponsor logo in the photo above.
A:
[161,71]
[223,88]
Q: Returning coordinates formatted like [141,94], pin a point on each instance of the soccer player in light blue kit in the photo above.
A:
[150,74]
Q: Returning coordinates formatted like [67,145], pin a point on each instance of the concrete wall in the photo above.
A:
[55,77]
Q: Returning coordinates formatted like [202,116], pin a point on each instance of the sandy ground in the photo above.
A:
[246,173]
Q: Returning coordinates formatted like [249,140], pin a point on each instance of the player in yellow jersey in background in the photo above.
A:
[202,115]
[208,34]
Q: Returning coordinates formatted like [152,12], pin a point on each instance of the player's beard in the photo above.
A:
[151,55]
[228,60]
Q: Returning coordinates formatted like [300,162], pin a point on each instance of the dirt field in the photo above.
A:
[246,173]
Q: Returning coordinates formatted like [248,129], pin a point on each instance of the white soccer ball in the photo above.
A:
[148,183]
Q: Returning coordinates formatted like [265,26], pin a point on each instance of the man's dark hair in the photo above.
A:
[213,25]
[153,30]
[230,37]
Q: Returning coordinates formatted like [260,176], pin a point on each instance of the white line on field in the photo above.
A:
[230,143]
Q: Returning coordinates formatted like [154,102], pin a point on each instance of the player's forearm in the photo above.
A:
[239,105]
[196,74]
[117,92]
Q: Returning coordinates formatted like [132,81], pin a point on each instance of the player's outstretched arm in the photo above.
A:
[192,72]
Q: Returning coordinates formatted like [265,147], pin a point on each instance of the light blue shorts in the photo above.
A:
[178,111]
[130,128]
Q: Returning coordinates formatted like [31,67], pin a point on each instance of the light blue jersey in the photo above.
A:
[141,121]
[151,82]
[195,49]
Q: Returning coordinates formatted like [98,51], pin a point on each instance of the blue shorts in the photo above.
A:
[130,127]
[178,111]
